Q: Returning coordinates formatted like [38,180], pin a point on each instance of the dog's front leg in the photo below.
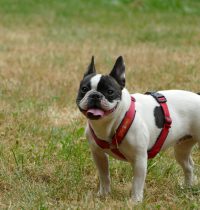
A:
[101,161]
[139,175]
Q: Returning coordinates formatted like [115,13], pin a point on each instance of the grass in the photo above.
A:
[45,47]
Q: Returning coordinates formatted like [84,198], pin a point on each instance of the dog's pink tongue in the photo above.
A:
[96,112]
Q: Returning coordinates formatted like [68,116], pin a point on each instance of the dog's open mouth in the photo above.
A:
[95,114]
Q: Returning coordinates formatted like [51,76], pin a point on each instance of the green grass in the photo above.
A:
[45,46]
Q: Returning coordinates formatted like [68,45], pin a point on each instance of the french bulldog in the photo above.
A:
[104,100]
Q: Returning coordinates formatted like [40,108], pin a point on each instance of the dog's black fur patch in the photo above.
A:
[159,117]
[198,93]
[84,83]
[118,72]
[109,84]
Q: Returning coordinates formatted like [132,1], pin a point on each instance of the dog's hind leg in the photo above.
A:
[182,151]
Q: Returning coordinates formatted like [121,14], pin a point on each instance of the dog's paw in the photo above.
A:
[137,199]
[195,180]
[103,193]
[133,202]
[188,183]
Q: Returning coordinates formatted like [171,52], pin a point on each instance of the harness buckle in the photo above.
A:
[161,99]
[158,96]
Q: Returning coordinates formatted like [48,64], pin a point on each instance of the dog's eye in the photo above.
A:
[84,89]
[110,92]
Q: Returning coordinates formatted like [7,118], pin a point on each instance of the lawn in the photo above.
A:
[45,47]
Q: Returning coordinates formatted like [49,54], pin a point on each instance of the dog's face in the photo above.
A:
[98,94]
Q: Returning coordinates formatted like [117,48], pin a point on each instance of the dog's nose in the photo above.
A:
[96,96]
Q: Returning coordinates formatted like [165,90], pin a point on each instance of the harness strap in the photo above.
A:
[120,132]
[167,124]
[125,124]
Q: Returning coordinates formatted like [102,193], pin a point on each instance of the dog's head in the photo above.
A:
[98,94]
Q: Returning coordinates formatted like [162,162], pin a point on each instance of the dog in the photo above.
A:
[104,100]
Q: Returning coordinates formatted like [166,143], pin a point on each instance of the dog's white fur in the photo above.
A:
[95,80]
[184,109]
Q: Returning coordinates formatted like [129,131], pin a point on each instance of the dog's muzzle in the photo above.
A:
[94,110]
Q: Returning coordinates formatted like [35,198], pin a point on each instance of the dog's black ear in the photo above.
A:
[91,68]
[118,71]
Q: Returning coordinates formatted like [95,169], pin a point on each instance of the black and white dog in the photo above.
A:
[104,100]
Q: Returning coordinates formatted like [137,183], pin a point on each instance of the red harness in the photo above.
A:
[126,123]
